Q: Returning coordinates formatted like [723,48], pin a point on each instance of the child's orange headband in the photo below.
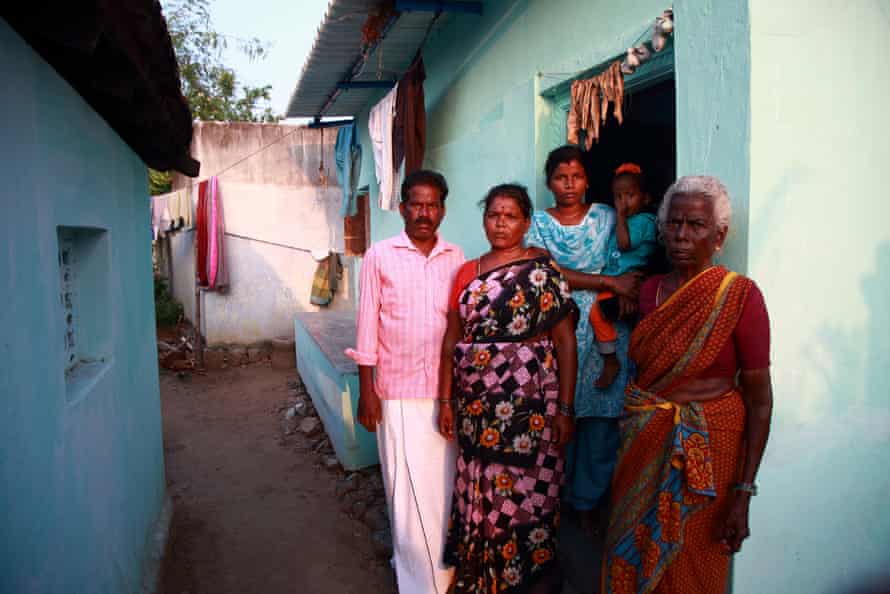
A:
[628,168]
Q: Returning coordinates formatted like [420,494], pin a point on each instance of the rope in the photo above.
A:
[248,156]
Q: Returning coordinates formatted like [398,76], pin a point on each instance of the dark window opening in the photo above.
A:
[357,228]
[647,137]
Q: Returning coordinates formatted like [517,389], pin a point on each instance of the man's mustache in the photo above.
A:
[423,221]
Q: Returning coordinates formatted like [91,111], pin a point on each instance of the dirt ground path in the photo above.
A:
[252,513]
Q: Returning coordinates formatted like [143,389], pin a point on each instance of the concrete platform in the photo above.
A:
[332,381]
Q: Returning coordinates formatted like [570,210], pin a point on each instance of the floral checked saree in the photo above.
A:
[677,462]
[505,509]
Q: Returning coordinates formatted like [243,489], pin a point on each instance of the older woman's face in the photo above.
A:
[568,183]
[505,224]
[691,233]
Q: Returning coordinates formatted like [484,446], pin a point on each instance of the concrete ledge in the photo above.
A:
[331,379]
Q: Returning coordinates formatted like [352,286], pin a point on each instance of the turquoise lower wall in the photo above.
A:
[82,463]
[334,394]
[819,245]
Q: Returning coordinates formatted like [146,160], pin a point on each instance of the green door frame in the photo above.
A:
[553,107]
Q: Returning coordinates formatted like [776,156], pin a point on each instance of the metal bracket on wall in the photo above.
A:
[317,123]
[366,84]
[435,6]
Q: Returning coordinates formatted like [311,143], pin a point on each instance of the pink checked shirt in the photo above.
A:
[403,313]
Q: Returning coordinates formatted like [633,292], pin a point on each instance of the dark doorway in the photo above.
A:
[647,137]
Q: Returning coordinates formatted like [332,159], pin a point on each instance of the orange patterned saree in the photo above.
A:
[677,462]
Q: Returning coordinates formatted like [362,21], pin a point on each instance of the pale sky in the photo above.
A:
[288,26]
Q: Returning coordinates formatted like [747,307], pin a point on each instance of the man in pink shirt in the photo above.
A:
[405,283]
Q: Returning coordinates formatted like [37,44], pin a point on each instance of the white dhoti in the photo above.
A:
[418,467]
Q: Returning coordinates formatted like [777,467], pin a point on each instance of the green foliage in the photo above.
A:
[159,182]
[212,88]
[167,311]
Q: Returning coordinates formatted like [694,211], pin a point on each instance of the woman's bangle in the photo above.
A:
[565,409]
[749,488]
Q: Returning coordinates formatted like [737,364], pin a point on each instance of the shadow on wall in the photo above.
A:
[875,288]
[871,585]
[855,363]
[269,285]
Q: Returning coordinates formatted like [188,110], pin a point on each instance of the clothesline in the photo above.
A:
[290,247]
[605,62]
[248,156]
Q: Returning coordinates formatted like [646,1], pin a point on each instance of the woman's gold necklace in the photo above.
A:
[522,256]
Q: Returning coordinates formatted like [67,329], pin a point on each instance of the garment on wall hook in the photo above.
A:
[322,174]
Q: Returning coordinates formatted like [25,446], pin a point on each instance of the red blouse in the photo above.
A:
[749,347]
[464,277]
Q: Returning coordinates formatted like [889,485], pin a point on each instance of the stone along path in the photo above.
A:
[256,509]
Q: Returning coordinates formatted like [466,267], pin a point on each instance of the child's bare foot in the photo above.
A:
[611,367]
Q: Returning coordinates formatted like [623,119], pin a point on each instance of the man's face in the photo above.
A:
[423,212]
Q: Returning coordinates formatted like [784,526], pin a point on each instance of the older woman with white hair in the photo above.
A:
[697,416]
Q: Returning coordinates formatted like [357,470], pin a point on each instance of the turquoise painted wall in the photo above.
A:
[486,121]
[819,245]
[713,68]
[82,461]
[785,105]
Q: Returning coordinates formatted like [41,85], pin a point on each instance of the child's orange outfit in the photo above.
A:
[603,329]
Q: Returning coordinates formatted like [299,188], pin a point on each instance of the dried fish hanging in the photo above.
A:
[591,98]
[590,104]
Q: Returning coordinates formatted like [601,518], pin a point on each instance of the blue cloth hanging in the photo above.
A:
[348,155]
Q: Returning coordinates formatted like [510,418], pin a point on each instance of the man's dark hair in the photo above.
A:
[563,154]
[517,192]
[425,177]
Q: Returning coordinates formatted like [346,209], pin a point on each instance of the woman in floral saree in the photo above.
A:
[696,417]
[507,387]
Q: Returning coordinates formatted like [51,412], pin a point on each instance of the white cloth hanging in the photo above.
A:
[380,128]
[160,215]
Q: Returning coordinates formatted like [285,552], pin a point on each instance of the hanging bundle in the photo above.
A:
[637,55]
[590,104]
[376,22]
[322,174]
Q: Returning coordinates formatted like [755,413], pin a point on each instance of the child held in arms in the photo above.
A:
[632,244]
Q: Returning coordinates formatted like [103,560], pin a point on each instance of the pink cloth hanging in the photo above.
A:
[213,264]
[217,272]
[222,269]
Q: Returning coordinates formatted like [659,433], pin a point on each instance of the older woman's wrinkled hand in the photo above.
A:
[563,430]
[735,528]
[627,285]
